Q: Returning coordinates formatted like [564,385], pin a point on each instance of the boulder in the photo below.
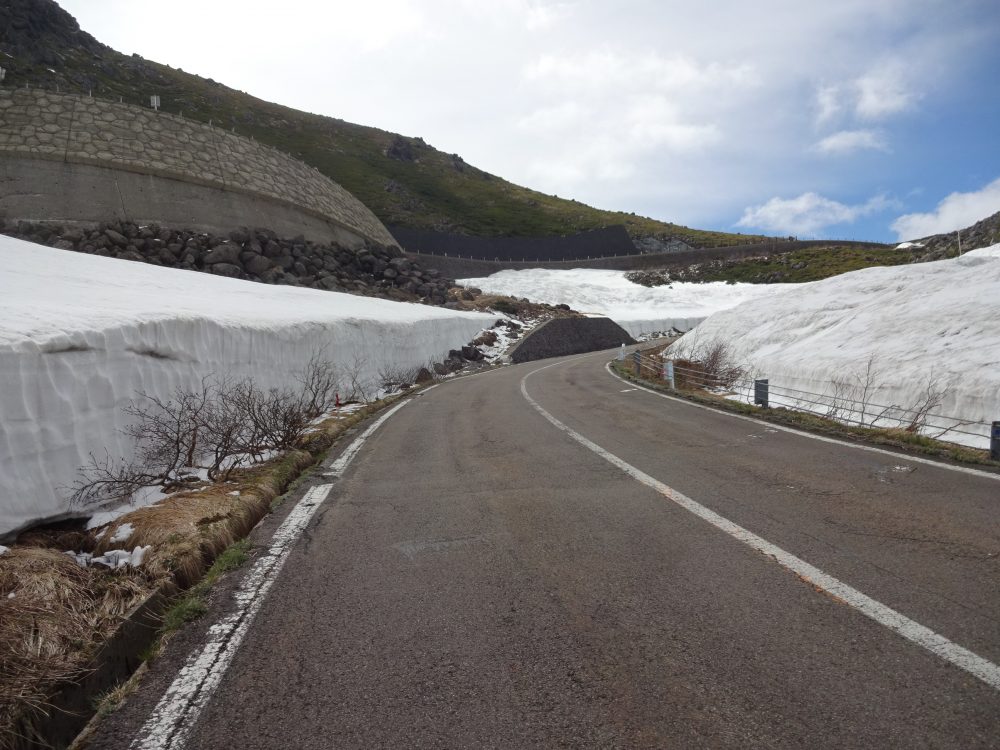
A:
[227,269]
[226,253]
[116,238]
[258,265]
[471,353]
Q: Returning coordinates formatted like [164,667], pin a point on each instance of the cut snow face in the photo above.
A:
[635,308]
[922,326]
[80,335]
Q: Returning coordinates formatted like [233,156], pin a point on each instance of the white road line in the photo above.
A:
[812,436]
[175,715]
[913,631]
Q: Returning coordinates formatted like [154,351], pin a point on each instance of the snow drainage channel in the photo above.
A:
[911,630]
[178,710]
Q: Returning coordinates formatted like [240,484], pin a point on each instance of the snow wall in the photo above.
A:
[81,335]
[921,322]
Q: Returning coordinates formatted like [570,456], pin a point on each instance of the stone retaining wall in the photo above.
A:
[81,130]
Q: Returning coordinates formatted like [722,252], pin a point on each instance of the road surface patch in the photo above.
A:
[911,630]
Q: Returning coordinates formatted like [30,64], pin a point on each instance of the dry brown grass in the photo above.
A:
[61,613]
[58,615]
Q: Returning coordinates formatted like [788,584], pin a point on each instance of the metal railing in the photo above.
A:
[847,408]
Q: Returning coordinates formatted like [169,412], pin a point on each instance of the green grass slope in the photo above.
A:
[403,180]
[796,266]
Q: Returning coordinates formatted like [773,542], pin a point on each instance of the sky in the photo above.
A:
[854,119]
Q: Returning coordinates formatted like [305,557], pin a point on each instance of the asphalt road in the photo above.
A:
[480,579]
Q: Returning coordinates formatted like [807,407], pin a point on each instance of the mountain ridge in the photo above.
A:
[404,180]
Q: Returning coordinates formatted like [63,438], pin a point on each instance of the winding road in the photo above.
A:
[545,556]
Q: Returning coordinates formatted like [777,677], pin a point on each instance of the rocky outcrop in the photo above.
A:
[981,234]
[651,244]
[255,255]
[39,31]
[562,336]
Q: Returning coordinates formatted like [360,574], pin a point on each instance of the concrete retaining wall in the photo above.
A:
[69,195]
[562,336]
[114,159]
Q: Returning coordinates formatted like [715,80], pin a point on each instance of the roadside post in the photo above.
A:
[995,442]
[621,354]
[668,374]
[760,392]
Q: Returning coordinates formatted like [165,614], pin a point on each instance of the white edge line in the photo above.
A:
[175,715]
[911,630]
[812,436]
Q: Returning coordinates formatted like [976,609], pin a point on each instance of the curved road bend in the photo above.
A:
[480,578]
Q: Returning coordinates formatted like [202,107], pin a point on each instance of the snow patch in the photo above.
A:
[122,533]
[636,308]
[114,559]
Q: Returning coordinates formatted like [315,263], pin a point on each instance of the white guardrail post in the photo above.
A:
[668,374]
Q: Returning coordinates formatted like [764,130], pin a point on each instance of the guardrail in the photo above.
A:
[851,409]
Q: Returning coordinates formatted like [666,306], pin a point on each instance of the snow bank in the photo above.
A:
[81,334]
[636,308]
[921,321]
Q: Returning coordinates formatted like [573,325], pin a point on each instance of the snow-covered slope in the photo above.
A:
[923,321]
[635,308]
[81,334]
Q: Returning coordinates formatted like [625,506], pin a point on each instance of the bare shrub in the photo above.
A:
[865,385]
[107,479]
[320,382]
[226,430]
[395,376]
[358,389]
[929,400]
[218,427]
[165,433]
[709,364]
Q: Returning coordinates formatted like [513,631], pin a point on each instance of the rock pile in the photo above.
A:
[254,255]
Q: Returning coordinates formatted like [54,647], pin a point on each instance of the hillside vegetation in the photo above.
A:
[815,263]
[403,180]
[807,264]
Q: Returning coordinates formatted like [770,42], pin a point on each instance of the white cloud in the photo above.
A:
[957,211]
[807,214]
[848,141]
[883,92]
[539,16]
[828,104]
[619,105]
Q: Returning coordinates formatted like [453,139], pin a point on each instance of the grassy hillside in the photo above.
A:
[403,180]
[807,264]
